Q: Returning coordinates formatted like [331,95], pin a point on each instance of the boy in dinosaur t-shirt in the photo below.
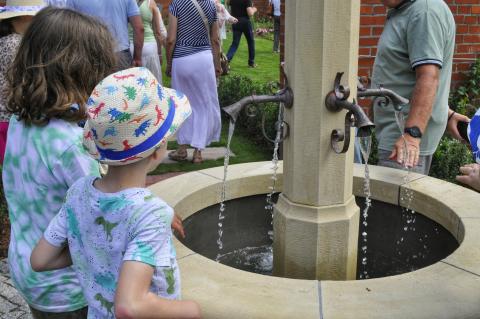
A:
[119,235]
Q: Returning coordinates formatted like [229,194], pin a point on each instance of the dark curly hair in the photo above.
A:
[62,57]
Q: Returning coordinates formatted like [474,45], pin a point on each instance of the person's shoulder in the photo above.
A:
[79,187]
[433,6]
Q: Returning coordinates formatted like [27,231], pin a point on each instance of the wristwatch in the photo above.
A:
[413,131]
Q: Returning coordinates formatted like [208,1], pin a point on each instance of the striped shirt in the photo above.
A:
[192,36]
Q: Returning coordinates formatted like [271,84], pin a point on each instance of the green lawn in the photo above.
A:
[244,149]
[267,61]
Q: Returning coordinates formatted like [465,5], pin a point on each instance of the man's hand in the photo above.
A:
[136,63]
[177,225]
[218,70]
[471,176]
[406,151]
[452,126]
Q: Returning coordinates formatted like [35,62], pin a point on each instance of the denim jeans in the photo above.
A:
[243,26]
[276,33]
[423,167]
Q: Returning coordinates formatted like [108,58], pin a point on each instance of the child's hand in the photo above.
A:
[177,225]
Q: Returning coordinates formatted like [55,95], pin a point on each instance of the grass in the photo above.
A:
[243,149]
[267,61]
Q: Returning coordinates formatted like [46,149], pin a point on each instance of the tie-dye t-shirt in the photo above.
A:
[105,229]
[41,163]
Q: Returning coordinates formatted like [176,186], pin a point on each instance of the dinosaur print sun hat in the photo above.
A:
[129,115]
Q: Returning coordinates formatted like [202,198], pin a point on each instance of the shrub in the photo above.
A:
[235,87]
[448,158]
[463,99]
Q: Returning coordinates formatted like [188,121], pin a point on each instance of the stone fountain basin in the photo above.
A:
[447,289]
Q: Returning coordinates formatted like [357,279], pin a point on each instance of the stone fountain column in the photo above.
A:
[316,218]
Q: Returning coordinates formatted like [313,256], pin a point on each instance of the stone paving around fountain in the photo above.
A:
[12,305]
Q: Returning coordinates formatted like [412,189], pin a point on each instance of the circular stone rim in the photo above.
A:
[225,292]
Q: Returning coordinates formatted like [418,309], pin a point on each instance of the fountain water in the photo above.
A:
[221,215]
[365,148]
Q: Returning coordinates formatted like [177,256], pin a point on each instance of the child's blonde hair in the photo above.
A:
[61,58]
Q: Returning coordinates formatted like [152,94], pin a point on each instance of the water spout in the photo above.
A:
[398,101]
[285,95]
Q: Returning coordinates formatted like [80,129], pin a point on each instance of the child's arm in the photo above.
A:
[51,251]
[46,256]
[134,300]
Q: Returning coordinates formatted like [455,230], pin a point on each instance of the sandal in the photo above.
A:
[197,157]
[178,155]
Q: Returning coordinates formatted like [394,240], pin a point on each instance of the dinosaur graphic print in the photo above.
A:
[142,129]
[107,226]
[104,303]
[96,110]
[110,131]
[116,115]
[138,119]
[123,77]
[170,278]
[126,146]
[130,92]
[160,115]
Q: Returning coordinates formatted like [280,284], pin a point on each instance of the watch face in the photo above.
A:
[413,131]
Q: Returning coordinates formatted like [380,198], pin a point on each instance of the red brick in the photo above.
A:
[365,31]
[473,29]
[470,19]
[461,29]
[466,9]
[471,39]
[475,9]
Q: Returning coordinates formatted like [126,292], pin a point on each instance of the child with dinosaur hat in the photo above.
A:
[118,233]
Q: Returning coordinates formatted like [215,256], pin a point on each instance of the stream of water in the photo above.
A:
[406,196]
[221,216]
[365,148]
[278,137]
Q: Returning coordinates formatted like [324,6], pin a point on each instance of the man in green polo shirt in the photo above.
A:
[414,59]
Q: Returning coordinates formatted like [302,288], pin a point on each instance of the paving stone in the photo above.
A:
[6,307]
[3,267]
[12,305]
[210,153]
[17,314]
[10,293]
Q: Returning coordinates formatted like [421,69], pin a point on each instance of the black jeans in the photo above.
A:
[276,32]
[77,314]
[243,26]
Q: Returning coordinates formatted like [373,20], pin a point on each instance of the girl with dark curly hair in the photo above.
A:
[61,58]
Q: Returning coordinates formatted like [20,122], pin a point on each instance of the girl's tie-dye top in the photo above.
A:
[105,229]
[41,163]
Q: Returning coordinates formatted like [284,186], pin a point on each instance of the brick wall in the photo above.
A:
[262,6]
[467,48]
